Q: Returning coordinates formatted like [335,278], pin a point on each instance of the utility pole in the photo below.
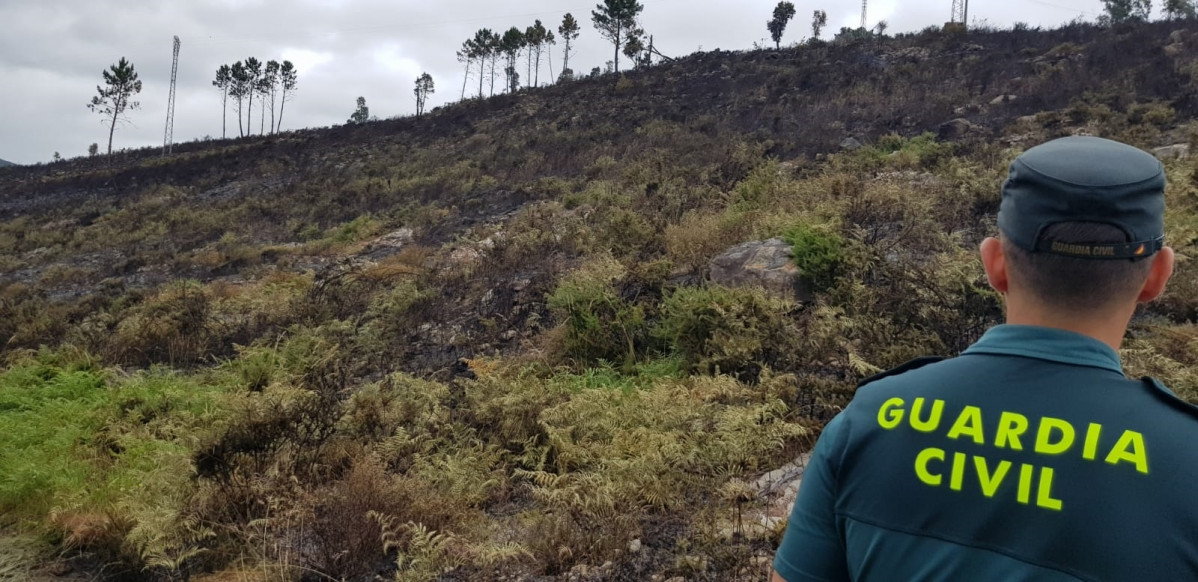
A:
[961,12]
[863,4]
[168,137]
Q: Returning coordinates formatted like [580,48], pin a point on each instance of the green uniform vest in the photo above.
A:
[1029,457]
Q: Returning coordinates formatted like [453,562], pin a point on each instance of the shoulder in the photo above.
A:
[915,364]
[1169,398]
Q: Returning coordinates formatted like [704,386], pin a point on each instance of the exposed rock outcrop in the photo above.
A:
[766,264]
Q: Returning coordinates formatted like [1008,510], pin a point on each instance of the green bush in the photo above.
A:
[600,324]
[716,330]
[818,253]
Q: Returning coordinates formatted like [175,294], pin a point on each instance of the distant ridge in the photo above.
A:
[4,163]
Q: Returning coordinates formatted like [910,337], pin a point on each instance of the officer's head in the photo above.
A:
[1082,223]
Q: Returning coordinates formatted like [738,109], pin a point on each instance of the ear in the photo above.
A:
[1162,269]
[995,264]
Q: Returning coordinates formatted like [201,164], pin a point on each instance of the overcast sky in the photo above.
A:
[52,52]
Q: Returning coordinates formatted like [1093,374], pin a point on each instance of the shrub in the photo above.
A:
[600,324]
[172,326]
[717,330]
[818,253]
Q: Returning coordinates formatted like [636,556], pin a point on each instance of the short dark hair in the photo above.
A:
[1078,284]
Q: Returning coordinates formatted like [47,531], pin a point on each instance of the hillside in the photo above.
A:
[5,163]
[485,342]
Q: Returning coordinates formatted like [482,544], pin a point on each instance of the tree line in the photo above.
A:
[615,20]
[243,80]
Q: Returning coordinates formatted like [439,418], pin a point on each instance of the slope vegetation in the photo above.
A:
[482,343]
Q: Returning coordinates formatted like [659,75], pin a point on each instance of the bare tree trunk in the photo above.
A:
[282,102]
[566,58]
[224,112]
[537,79]
[616,61]
[551,77]
[494,61]
[249,114]
[111,130]
[262,117]
[272,109]
[465,80]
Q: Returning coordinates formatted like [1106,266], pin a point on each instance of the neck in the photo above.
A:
[1107,326]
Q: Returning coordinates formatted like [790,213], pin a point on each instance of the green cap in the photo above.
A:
[1085,179]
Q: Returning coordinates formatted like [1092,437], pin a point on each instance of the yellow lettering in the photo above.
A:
[1130,448]
[1025,484]
[1010,427]
[1090,451]
[891,413]
[989,481]
[1044,495]
[969,423]
[933,420]
[921,466]
[1044,444]
[958,471]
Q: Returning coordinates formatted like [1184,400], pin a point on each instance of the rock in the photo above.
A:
[1177,150]
[850,144]
[388,244]
[1003,99]
[779,478]
[1177,36]
[765,264]
[1174,49]
[634,546]
[956,129]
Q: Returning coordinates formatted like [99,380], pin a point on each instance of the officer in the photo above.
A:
[1030,456]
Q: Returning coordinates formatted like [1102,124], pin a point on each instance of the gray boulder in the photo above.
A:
[1177,150]
[850,144]
[766,264]
[957,128]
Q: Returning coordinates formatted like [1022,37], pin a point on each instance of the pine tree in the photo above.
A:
[467,54]
[1178,9]
[511,45]
[269,86]
[424,88]
[569,31]
[288,81]
[634,46]
[537,36]
[783,12]
[1121,11]
[115,97]
[819,19]
[224,78]
[483,51]
[253,69]
[239,87]
[361,114]
[615,19]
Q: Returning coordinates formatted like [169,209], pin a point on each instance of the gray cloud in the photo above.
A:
[52,53]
